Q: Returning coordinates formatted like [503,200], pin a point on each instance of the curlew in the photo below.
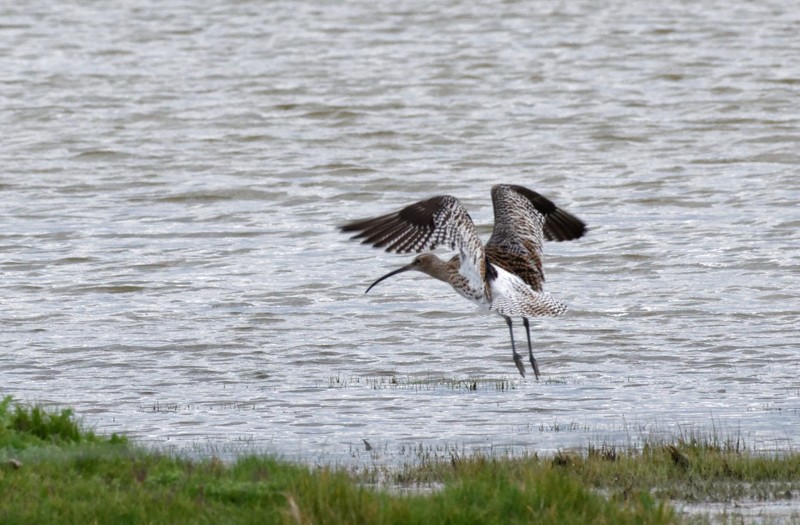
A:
[505,275]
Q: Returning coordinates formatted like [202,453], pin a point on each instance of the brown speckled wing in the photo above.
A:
[410,230]
[424,225]
[559,225]
[523,220]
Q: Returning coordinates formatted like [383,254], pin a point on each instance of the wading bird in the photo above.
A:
[505,275]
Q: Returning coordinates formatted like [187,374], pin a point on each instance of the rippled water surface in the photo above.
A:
[173,175]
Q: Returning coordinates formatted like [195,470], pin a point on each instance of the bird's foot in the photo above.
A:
[520,364]
[535,368]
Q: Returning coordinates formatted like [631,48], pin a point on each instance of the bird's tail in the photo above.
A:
[531,304]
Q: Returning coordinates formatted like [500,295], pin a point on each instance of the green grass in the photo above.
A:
[53,471]
[692,469]
[148,488]
[24,426]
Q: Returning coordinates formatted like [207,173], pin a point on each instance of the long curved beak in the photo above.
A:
[395,272]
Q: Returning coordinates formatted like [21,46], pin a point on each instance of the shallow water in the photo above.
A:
[173,175]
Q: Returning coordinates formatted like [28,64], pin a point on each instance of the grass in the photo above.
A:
[23,427]
[53,471]
[694,468]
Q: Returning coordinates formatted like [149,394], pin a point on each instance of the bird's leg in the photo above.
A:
[530,349]
[517,357]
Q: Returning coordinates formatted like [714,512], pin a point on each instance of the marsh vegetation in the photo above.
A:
[53,470]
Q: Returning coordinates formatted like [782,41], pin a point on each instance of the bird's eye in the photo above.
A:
[416,262]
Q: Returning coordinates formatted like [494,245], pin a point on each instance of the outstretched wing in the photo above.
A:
[424,225]
[523,220]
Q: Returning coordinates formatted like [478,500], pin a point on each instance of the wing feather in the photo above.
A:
[559,224]
[423,226]
[523,220]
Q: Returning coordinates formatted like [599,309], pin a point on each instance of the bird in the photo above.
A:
[505,275]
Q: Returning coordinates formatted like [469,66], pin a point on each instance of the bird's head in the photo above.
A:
[427,263]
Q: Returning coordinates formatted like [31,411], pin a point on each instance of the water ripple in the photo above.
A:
[173,178]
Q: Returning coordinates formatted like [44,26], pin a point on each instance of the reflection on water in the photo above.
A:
[173,178]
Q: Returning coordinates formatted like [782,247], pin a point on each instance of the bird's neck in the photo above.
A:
[443,270]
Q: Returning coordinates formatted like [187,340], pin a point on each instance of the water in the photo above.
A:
[173,174]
